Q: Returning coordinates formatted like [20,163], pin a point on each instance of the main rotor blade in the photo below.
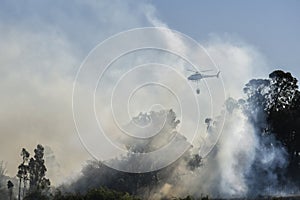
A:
[208,70]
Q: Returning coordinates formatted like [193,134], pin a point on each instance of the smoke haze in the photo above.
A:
[39,57]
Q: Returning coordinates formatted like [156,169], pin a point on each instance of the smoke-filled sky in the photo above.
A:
[43,43]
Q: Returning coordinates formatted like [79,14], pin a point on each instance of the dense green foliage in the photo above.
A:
[23,171]
[37,170]
[273,105]
[33,170]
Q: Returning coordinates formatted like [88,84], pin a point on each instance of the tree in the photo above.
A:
[2,172]
[284,116]
[10,187]
[37,170]
[256,91]
[273,105]
[283,90]
[23,171]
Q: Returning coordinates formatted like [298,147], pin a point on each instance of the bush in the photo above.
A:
[95,194]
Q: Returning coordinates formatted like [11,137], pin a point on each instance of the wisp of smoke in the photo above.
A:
[243,163]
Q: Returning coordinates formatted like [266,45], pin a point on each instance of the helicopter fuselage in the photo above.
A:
[195,77]
[198,76]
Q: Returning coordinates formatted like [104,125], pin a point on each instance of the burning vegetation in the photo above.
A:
[257,156]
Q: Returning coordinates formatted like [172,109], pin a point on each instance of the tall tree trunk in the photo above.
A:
[10,193]
[20,182]
[24,188]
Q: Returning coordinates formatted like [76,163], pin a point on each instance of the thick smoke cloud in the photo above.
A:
[243,163]
[41,49]
[39,58]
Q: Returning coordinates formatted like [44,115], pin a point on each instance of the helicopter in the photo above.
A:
[197,76]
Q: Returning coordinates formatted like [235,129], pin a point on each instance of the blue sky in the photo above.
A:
[273,27]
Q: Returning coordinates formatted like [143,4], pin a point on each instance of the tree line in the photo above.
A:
[272,105]
[31,176]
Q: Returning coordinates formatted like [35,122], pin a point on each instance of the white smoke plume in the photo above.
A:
[233,168]
[38,64]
